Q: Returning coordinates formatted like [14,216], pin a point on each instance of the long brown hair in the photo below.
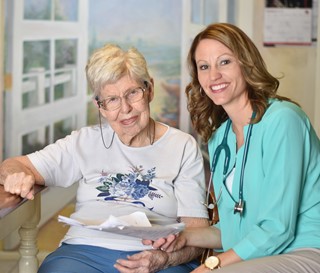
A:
[206,117]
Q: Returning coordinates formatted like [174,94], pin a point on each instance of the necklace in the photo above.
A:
[104,144]
[151,132]
[152,135]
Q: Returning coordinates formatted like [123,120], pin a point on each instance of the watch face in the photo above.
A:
[212,262]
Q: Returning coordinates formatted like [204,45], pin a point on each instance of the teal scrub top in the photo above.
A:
[281,185]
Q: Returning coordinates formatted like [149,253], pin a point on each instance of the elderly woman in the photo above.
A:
[131,163]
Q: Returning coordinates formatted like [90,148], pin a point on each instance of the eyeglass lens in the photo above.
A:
[132,96]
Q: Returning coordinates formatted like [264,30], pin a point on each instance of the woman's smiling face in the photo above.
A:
[219,74]
[131,119]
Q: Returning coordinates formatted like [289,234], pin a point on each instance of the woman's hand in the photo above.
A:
[20,184]
[143,262]
[161,243]
[202,269]
[169,244]
[18,176]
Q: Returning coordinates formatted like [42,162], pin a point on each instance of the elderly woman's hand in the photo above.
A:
[20,183]
[18,176]
[148,261]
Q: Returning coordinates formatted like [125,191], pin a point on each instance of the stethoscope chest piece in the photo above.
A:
[239,207]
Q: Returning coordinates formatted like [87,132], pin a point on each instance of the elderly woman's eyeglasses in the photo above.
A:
[114,102]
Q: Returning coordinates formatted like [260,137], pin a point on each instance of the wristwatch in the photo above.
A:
[212,262]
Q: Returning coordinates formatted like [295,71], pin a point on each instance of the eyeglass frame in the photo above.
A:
[101,103]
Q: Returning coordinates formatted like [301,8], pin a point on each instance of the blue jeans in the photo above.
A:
[91,259]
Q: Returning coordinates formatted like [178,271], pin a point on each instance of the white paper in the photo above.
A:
[135,225]
[136,219]
[288,26]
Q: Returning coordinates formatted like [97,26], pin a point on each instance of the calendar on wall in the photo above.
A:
[290,22]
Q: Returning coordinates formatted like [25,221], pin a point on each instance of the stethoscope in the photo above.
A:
[223,146]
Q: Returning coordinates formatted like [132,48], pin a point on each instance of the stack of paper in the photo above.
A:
[135,225]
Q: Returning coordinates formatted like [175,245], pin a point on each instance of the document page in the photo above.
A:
[135,224]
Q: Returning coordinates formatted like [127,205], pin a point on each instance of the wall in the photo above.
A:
[298,64]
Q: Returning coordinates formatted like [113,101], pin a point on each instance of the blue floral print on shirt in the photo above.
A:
[127,187]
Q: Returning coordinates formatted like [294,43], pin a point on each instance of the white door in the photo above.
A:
[46,53]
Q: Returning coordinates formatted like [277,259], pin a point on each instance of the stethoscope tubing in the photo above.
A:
[239,206]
